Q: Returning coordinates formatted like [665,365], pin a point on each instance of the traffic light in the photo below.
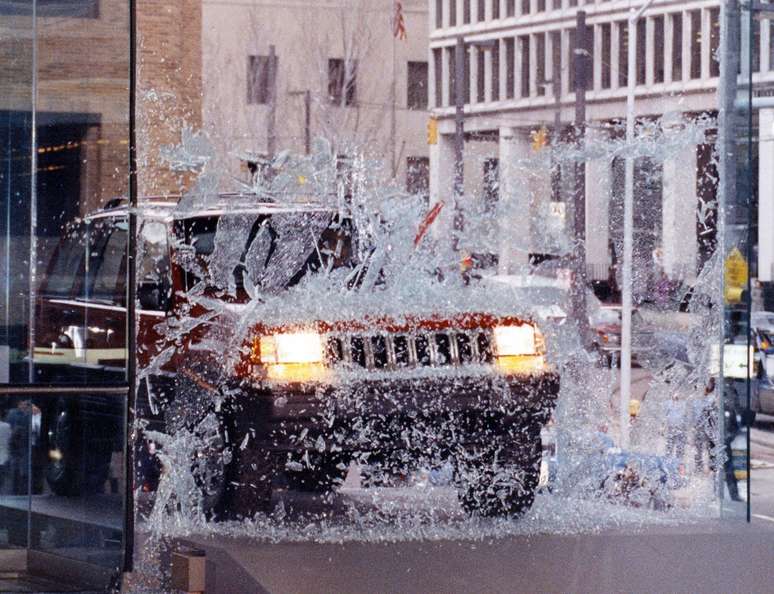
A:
[539,139]
[432,130]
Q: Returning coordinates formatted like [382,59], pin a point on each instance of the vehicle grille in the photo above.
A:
[400,351]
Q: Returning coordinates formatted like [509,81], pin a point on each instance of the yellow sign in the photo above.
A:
[736,273]
[736,270]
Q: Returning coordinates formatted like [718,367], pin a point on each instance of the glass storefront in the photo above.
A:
[64,108]
[513,268]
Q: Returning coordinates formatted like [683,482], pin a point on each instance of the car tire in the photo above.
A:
[324,475]
[499,480]
[249,484]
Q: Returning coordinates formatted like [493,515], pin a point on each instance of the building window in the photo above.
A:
[452,75]
[541,5]
[524,47]
[715,41]
[438,76]
[467,87]
[258,79]
[623,53]
[556,4]
[496,71]
[452,13]
[677,46]
[658,49]
[77,9]
[510,66]
[510,8]
[556,57]
[417,85]
[571,59]
[466,12]
[695,70]
[525,6]
[495,9]
[756,45]
[540,67]
[641,52]
[480,82]
[481,11]
[342,81]
[418,176]
[606,52]
[438,14]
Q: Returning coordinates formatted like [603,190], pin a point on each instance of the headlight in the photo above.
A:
[297,347]
[511,341]
[519,349]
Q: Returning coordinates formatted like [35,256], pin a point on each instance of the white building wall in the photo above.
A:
[599,191]
[680,247]
[306,34]
[766,196]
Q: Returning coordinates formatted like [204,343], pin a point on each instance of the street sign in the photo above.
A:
[736,269]
[735,273]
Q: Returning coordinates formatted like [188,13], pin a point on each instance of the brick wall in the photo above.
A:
[170,87]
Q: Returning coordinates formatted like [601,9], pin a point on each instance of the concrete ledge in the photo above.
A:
[712,557]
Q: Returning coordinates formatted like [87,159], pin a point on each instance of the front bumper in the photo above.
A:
[380,414]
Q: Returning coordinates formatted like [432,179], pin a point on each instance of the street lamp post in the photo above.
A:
[628,231]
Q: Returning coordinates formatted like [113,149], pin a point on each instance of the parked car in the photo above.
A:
[298,398]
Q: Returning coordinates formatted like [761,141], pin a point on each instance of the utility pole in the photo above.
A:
[271,122]
[459,138]
[307,121]
[628,231]
[580,65]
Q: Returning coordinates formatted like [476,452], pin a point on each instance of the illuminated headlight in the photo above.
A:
[519,349]
[511,341]
[297,347]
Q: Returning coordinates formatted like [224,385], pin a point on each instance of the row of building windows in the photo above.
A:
[672,47]
[342,82]
[453,13]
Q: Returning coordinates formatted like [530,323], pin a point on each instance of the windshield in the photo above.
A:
[239,253]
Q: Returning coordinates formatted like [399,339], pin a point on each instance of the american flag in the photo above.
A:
[398,24]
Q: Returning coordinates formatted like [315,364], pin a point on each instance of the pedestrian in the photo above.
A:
[5,454]
[675,412]
[731,427]
[705,427]
[19,419]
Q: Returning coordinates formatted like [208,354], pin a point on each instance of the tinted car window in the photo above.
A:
[67,265]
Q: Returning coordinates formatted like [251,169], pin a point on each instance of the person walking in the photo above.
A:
[731,427]
[705,427]
[5,454]
[676,425]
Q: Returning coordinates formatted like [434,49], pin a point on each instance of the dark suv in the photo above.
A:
[299,396]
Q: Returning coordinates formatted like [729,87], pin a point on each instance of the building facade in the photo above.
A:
[514,49]
[354,82]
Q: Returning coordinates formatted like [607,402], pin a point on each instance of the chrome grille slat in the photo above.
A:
[363,350]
